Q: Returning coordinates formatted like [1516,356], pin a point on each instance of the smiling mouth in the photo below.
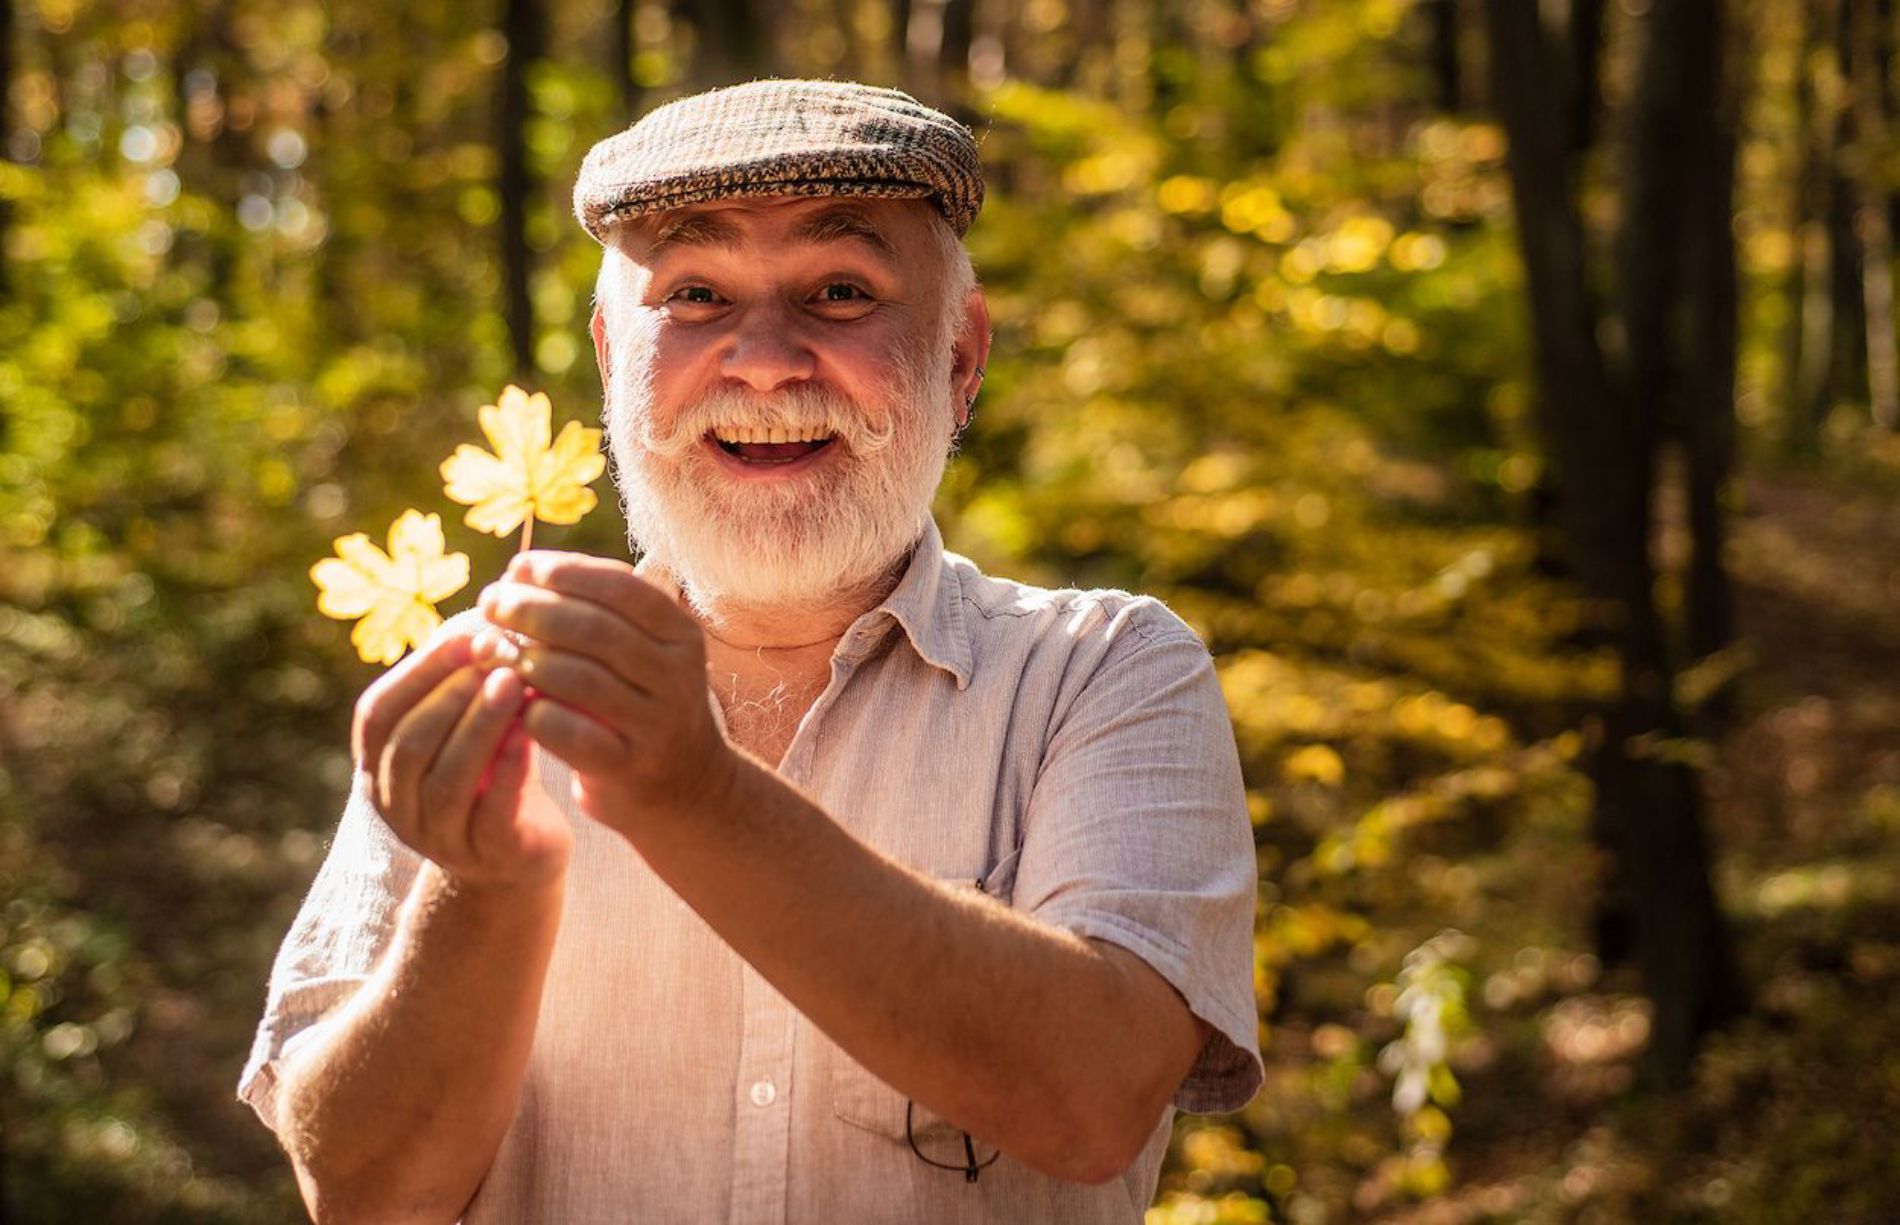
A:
[770,446]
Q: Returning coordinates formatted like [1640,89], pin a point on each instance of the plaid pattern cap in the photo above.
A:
[780,138]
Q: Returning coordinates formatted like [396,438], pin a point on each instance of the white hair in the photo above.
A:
[787,544]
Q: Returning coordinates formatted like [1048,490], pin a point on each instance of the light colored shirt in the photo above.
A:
[1069,750]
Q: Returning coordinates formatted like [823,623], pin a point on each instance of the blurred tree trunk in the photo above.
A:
[989,56]
[334,148]
[1583,37]
[923,32]
[1134,43]
[1088,63]
[732,41]
[1847,358]
[1678,280]
[898,44]
[1847,355]
[215,155]
[1812,323]
[959,35]
[1447,69]
[1869,75]
[1706,352]
[880,27]
[524,26]
[937,39]
[623,51]
[1170,39]
[6,206]
[1601,431]
[842,17]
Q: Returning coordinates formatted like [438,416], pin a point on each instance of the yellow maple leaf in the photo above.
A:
[395,593]
[525,478]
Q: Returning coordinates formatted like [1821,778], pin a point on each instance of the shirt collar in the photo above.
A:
[928,603]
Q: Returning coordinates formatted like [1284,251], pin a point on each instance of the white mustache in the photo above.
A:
[801,411]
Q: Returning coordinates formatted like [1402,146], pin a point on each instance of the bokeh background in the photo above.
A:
[1506,390]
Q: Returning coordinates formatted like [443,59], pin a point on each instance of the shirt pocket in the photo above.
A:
[860,1098]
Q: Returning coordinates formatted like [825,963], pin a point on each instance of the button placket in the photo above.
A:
[762,1133]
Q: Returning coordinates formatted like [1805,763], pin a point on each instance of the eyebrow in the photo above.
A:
[844,224]
[841,223]
[694,230]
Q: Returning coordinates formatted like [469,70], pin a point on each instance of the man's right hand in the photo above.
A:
[448,760]
[395,1109]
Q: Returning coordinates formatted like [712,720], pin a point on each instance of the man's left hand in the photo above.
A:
[620,674]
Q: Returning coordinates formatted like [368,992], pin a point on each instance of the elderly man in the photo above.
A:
[803,873]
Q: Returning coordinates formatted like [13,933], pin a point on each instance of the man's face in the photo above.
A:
[779,391]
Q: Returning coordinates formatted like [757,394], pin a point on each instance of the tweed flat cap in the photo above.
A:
[782,138]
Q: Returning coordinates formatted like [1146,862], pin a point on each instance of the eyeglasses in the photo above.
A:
[971,1167]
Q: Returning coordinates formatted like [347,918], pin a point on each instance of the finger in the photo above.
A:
[500,794]
[575,624]
[412,747]
[391,695]
[506,829]
[605,581]
[507,769]
[582,683]
[582,742]
[448,790]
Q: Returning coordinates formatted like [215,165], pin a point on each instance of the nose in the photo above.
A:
[766,348]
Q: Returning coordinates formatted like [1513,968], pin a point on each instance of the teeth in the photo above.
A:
[749,434]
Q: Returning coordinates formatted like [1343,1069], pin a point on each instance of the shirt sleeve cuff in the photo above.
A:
[293,1020]
[1228,1071]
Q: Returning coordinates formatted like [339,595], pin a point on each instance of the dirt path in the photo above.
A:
[1816,565]
[1789,1117]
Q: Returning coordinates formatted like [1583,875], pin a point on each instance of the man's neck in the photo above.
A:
[741,635]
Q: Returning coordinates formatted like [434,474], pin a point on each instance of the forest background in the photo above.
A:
[1507,391]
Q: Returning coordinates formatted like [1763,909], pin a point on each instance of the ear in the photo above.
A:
[971,353]
[598,326]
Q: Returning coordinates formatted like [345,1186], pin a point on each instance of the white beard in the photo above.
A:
[792,544]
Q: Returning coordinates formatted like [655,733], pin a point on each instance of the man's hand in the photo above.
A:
[396,1106]
[448,759]
[619,684]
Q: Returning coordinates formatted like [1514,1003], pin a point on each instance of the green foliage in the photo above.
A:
[1259,350]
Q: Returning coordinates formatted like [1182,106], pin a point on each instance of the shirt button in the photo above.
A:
[764,1093]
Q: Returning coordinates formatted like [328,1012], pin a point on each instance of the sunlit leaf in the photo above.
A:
[394,593]
[524,476]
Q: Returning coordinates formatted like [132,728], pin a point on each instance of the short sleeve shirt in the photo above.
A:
[1068,752]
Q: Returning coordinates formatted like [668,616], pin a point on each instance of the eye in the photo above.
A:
[842,301]
[695,295]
